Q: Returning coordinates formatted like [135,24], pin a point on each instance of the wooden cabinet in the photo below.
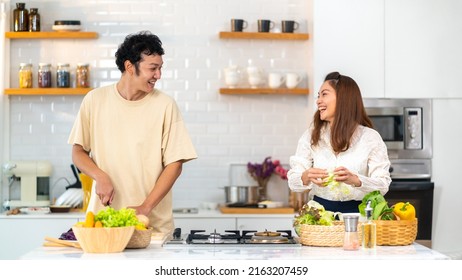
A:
[48,35]
[422,57]
[393,48]
[350,39]
[264,36]
[20,235]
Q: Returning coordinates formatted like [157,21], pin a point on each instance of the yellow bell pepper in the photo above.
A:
[405,211]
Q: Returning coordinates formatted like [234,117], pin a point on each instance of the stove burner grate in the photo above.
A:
[249,237]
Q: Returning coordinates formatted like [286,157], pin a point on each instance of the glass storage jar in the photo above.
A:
[83,75]
[34,20]
[25,75]
[44,75]
[63,75]
[20,18]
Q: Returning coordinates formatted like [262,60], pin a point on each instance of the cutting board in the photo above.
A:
[243,210]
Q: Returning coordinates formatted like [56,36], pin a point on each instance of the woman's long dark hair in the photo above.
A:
[349,113]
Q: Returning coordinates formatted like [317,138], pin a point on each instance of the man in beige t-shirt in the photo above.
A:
[131,138]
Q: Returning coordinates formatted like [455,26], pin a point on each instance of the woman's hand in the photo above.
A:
[314,175]
[342,174]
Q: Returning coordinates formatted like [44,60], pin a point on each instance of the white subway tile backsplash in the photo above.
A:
[225,129]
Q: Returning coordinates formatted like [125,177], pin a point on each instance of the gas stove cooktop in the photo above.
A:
[277,238]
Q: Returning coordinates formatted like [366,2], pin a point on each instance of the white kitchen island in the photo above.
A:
[155,251]
[202,220]
[242,262]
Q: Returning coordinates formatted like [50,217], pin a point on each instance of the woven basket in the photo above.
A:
[140,239]
[393,233]
[324,236]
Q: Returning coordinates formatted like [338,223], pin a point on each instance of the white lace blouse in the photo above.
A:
[367,157]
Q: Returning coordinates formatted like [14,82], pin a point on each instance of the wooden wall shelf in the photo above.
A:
[47,91]
[264,35]
[279,91]
[52,35]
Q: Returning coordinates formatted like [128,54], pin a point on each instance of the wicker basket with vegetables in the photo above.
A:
[317,227]
[396,225]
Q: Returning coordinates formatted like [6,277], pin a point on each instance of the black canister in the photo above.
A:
[34,20]
[21,17]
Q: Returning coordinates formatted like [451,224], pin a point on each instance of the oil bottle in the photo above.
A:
[369,229]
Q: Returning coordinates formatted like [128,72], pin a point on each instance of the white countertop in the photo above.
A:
[155,251]
[201,214]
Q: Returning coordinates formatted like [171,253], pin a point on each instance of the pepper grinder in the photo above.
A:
[351,239]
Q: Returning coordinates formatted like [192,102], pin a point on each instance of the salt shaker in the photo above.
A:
[351,239]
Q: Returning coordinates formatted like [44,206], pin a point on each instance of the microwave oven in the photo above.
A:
[404,124]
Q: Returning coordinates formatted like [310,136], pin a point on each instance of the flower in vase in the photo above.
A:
[262,172]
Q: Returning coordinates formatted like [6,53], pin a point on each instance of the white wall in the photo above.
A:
[224,129]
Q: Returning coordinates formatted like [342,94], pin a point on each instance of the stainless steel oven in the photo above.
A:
[406,128]
[420,194]
[404,124]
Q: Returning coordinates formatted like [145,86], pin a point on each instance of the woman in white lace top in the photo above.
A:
[341,157]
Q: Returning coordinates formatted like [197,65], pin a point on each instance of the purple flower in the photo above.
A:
[262,172]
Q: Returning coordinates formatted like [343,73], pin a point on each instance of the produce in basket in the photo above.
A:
[396,225]
[379,204]
[405,211]
[313,213]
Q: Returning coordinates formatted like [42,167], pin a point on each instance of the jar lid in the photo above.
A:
[44,64]
[83,64]
[63,64]
[34,9]
[25,64]
[67,22]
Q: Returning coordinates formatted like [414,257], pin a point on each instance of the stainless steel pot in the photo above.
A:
[241,194]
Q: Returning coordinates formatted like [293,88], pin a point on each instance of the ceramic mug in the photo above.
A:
[292,80]
[265,25]
[275,80]
[237,25]
[288,26]
[232,76]
[255,80]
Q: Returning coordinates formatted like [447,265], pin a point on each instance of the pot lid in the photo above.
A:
[267,233]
